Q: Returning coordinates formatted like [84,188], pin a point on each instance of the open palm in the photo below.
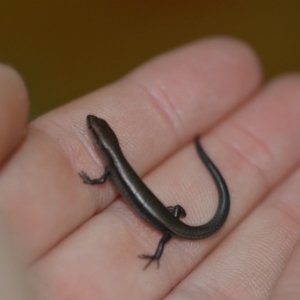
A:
[81,242]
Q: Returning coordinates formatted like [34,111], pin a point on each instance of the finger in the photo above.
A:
[13,110]
[248,264]
[51,200]
[287,285]
[111,241]
[13,283]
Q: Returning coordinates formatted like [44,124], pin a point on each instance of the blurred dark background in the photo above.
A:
[66,48]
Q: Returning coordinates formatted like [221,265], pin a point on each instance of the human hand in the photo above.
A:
[81,242]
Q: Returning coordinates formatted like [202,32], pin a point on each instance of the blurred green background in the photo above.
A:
[66,48]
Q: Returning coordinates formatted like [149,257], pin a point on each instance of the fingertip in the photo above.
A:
[13,87]
[14,105]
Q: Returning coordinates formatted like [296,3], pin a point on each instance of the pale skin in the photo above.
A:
[76,241]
